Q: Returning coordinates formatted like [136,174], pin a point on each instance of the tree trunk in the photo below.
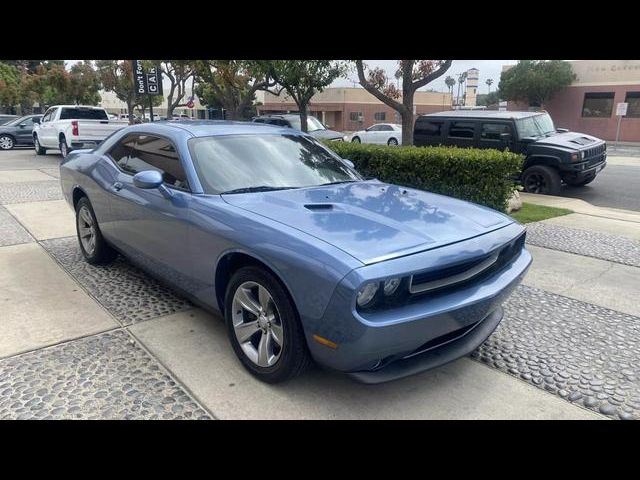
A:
[130,106]
[408,93]
[303,118]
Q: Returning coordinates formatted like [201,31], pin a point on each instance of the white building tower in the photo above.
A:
[472,87]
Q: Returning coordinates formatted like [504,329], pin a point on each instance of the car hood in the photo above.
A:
[570,140]
[326,134]
[374,221]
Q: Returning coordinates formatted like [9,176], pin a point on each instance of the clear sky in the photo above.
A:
[488,69]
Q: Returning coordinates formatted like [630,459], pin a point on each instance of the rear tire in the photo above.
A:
[392,142]
[94,248]
[7,142]
[542,180]
[64,149]
[39,149]
[283,359]
[355,140]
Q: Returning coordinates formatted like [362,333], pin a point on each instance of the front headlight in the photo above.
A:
[390,286]
[367,293]
[575,157]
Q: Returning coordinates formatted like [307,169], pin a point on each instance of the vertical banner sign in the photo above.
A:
[139,77]
[154,81]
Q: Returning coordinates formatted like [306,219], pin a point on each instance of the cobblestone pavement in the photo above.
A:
[583,242]
[11,232]
[29,192]
[105,376]
[128,293]
[586,354]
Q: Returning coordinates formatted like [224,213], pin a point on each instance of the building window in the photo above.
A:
[380,116]
[355,116]
[633,99]
[599,105]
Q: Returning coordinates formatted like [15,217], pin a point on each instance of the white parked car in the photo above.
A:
[69,127]
[380,133]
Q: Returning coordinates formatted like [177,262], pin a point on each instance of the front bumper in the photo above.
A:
[584,170]
[422,334]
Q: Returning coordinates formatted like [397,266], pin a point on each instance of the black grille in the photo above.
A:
[505,256]
[448,337]
[595,151]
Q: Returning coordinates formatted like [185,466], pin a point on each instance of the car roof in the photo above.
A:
[77,106]
[279,115]
[209,128]
[482,114]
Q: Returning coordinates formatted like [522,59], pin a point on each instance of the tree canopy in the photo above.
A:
[535,81]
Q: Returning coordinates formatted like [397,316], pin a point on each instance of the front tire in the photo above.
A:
[263,326]
[355,140]
[94,248]
[39,149]
[541,179]
[7,142]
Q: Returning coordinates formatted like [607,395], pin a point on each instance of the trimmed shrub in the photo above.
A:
[481,176]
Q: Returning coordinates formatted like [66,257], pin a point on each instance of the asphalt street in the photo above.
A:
[617,186]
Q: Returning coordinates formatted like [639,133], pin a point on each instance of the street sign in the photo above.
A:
[621,109]
[154,81]
[146,83]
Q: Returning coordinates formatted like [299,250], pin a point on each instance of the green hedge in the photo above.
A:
[478,175]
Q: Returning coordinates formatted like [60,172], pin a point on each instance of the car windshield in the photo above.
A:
[535,126]
[313,123]
[240,163]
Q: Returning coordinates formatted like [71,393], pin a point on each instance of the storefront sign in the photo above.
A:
[146,83]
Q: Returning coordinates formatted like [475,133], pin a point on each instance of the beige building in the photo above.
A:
[349,109]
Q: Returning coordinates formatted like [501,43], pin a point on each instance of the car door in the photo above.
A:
[386,132]
[491,135]
[24,132]
[461,133]
[45,126]
[150,226]
[370,135]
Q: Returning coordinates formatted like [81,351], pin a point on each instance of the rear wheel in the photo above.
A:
[39,149]
[355,140]
[64,149]
[263,326]
[541,179]
[93,246]
[392,142]
[6,142]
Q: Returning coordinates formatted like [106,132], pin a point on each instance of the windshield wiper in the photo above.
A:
[337,182]
[261,188]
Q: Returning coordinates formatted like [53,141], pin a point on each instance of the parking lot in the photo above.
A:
[80,341]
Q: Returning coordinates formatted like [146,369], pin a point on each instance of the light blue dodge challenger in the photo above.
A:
[306,260]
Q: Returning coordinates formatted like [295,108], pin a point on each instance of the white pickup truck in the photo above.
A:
[68,127]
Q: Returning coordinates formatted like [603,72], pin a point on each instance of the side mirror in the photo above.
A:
[505,137]
[349,163]
[22,125]
[147,179]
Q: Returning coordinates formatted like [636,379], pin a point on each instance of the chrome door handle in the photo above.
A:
[117,186]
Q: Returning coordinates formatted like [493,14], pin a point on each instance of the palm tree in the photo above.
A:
[450,82]
[489,81]
[461,79]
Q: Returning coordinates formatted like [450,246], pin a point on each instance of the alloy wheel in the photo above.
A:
[6,142]
[257,324]
[86,230]
[535,183]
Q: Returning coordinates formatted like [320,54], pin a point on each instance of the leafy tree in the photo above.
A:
[10,87]
[535,81]
[117,77]
[301,79]
[488,99]
[54,84]
[489,82]
[84,84]
[231,84]
[178,72]
[415,74]
[30,66]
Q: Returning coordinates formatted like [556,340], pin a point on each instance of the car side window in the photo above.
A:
[492,131]
[122,150]
[375,128]
[28,122]
[47,116]
[159,154]
[386,128]
[462,129]
[430,129]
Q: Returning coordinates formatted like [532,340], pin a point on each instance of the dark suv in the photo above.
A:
[553,155]
[315,128]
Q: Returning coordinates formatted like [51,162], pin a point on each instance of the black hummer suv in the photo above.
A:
[553,155]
